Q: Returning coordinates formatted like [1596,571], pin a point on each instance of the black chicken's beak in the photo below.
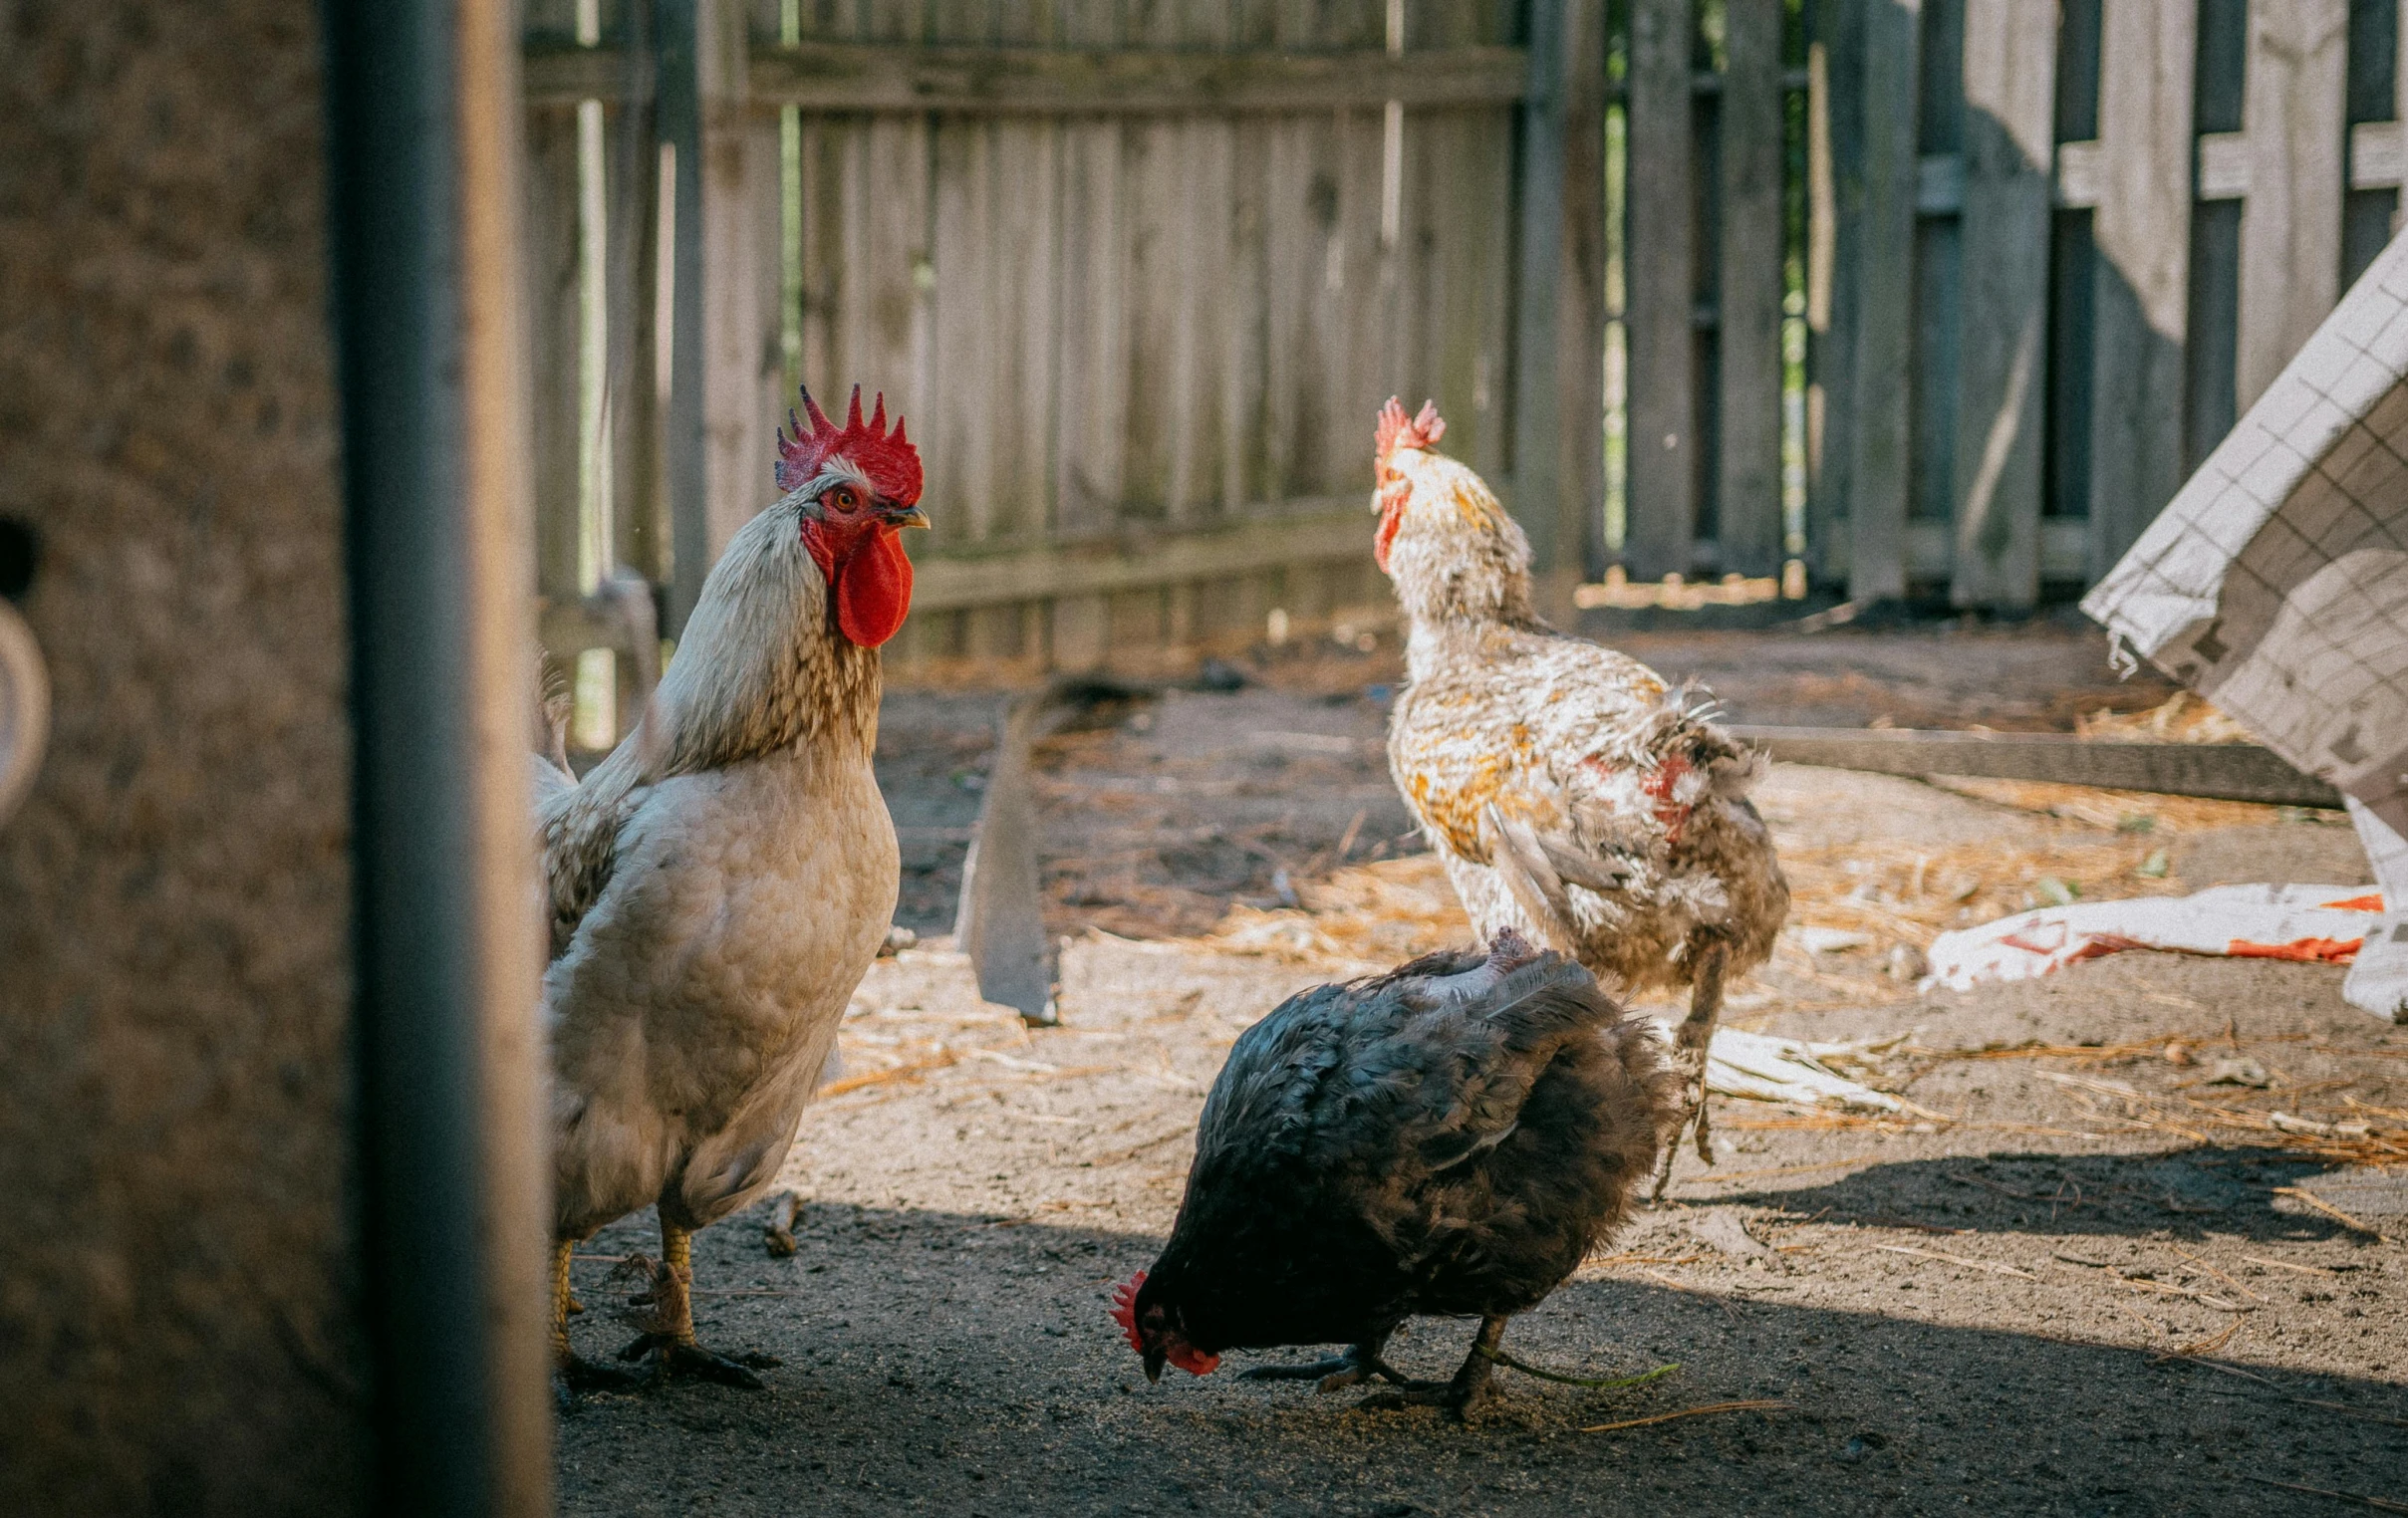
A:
[1154,1363]
[900,517]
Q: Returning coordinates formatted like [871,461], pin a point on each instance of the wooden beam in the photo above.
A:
[736,448]
[2290,230]
[1334,529]
[686,481]
[1884,271]
[1834,293]
[2009,96]
[2222,771]
[1662,535]
[2142,279]
[1748,529]
[829,75]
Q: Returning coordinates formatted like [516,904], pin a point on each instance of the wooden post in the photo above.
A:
[2009,96]
[1882,271]
[1750,410]
[1662,291]
[1560,426]
[2142,228]
[2290,223]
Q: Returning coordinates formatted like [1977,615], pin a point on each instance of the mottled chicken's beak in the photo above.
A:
[900,517]
[1154,1363]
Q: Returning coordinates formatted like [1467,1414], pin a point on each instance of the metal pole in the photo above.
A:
[423,142]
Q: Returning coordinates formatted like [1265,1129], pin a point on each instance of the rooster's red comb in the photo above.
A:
[1421,431]
[888,459]
[1123,1310]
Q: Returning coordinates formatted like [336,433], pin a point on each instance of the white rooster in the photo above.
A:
[719,883]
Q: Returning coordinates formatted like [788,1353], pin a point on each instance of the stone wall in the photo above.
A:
[178,1266]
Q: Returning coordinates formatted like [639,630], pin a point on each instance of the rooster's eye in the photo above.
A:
[842,498]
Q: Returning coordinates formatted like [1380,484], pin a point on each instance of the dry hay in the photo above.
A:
[1897,890]
[2117,811]
[1360,920]
[2181,718]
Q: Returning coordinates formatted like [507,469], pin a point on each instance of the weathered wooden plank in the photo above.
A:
[2009,79]
[1882,281]
[2223,771]
[1093,385]
[1661,533]
[2290,229]
[886,323]
[1149,251]
[829,75]
[1020,379]
[1834,233]
[1320,531]
[958,447]
[683,29]
[553,309]
[1749,413]
[2141,285]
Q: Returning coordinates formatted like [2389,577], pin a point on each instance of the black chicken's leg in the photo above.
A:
[1689,1050]
[1461,1395]
[1358,1365]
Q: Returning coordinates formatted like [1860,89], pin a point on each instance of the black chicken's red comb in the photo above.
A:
[1123,1310]
[1395,431]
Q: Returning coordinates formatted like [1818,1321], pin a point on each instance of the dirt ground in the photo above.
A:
[2073,1277]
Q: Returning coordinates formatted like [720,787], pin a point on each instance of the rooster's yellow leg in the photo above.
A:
[673,1310]
[561,1298]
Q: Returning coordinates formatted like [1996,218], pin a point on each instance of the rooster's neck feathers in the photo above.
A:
[762,666]
[1460,562]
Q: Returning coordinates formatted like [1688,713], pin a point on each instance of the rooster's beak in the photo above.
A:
[1154,1363]
[905,516]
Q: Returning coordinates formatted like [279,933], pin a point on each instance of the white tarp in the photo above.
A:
[2275,584]
[2318,923]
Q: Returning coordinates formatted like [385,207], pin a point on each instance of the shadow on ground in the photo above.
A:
[963,1365]
[2186,1192]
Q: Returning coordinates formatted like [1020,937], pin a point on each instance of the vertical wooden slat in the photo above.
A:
[2290,224]
[1749,283]
[1835,293]
[552,319]
[2140,305]
[1884,272]
[733,452]
[1092,386]
[1663,351]
[2009,79]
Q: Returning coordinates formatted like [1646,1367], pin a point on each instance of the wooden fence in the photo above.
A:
[1945,295]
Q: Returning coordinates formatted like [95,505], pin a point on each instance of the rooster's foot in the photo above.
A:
[1357,1366]
[683,1357]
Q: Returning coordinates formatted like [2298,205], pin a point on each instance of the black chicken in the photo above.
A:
[1448,1138]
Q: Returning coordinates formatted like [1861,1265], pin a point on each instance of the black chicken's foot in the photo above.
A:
[1357,1366]
[777,1236]
[1458,1398]
[578,1373]
[684,1358]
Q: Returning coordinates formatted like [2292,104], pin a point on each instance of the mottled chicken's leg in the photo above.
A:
[1689,1053]
[1358,1365]
[1465,1391]
[672,1311]
[575,1374]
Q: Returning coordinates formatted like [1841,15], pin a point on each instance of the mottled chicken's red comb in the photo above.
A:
[1422,431]
[888,459]
[1123,1310]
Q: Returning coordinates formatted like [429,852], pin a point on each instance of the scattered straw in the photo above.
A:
[1712,1408]
[2310,1198]
[2208,1346]
[1958,1259]
[2305,1270]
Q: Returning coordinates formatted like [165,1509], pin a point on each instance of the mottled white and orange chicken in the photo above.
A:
[719,883]
[1567,790]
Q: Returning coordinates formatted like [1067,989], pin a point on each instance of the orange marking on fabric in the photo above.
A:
[2373,903]
[2303,950]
